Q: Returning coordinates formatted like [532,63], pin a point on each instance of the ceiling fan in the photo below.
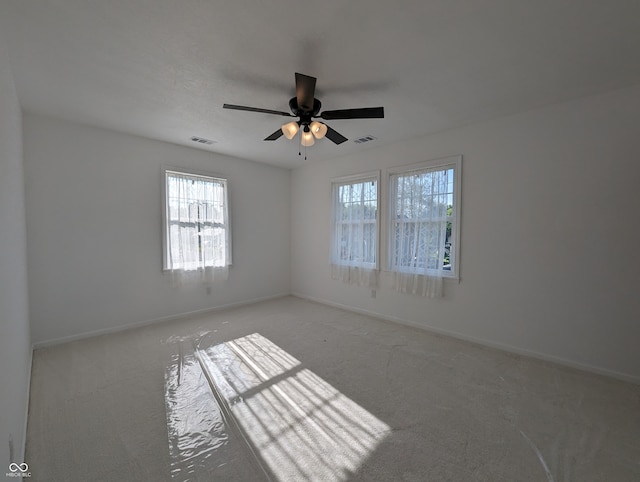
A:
[306,107]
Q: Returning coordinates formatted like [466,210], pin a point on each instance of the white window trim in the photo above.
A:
[434,164]
[350,179]
[165,214]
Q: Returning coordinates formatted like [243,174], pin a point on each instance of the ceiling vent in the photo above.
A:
[202,140]
[362,139]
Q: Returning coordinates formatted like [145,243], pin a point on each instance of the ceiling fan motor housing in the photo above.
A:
[302,113]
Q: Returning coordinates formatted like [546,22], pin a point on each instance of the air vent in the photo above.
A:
[202,140]
[360,140]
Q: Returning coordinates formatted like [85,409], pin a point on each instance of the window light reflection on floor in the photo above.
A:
[289,421]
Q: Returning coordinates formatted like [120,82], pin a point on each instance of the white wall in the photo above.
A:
[15,344]
[550,260]
[94,229]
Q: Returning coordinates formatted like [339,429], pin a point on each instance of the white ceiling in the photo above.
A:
[163,68]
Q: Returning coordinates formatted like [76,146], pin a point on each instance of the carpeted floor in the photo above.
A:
[293,390]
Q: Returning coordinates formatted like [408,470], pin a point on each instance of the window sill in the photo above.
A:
[168,270]
[346,265]
[447,278]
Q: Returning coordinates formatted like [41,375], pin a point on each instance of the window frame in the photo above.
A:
[355,179]
[165,211]
[454,162]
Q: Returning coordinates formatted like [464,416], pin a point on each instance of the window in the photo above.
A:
[196,235]
[424,213]
[354,237]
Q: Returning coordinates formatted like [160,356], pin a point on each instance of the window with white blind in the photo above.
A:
[423,226]
[354,233]
[196,234]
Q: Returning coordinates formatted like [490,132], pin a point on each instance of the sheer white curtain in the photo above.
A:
[419,230]
[197,227]
[354,233]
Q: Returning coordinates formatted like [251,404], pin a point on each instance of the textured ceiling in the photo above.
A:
[163,68]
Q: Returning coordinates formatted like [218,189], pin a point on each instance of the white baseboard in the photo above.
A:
[138,324]
[26,411]
[625,377]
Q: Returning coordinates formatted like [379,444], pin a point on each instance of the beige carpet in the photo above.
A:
[294,390]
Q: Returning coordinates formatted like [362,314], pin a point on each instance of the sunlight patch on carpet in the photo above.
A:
[246,405]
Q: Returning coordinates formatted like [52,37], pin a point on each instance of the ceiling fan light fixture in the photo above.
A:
[289,130]
[307,139]
[318,129]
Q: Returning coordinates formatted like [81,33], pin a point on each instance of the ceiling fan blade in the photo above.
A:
[305,91]
[276,135]
[335,136]
[256,109]
[365,113]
